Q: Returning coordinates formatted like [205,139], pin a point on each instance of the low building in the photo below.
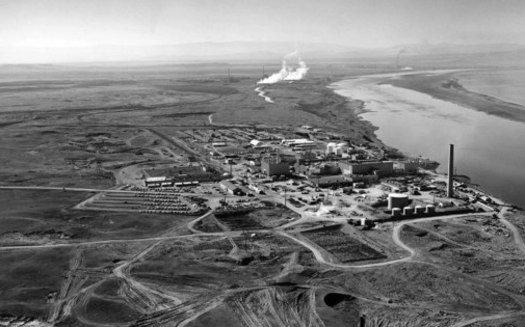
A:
[396,200]
[255,143]
[182,174]
[231,188]
[297,142]
[329,181]
[155,181]
[256,188]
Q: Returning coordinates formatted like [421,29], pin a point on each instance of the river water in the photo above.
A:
[490,150]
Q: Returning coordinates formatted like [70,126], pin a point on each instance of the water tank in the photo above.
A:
[419,210]
[330,148]
[407,211]
[342,147]
[396,200]
[396,212]
[430,208]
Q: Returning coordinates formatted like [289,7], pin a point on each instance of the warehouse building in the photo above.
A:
[234,189]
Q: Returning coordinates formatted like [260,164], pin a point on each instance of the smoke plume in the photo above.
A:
[293,69]
[403,50]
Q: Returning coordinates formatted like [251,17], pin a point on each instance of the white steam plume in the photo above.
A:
[293,69]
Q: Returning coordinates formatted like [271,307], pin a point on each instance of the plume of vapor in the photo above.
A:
[403,50]
[293,69]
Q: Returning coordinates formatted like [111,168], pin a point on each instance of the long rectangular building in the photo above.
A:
[380,168]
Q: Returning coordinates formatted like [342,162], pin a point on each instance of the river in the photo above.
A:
[489,149]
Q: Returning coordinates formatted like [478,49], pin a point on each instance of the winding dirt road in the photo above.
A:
[121,270]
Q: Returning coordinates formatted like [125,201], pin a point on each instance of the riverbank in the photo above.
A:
[488,148]
[448,87]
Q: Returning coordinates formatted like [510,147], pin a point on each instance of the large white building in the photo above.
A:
[297,142]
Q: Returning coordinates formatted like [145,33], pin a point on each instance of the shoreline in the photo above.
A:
[462,100]
[447,87]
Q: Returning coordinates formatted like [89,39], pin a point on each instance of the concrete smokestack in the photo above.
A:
[450,184]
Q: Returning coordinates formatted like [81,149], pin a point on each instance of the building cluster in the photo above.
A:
[399,204]
[179,176]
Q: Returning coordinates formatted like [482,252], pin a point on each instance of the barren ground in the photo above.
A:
[91,129]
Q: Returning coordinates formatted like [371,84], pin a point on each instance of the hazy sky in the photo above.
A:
[363,23]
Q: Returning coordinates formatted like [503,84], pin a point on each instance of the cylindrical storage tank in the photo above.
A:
[419,210]
[430,208]
[330,148]
[407,211]
[396,200]
[396,212]
[339,151]
[343,147]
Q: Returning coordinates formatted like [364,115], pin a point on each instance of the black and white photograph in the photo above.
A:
[262,163]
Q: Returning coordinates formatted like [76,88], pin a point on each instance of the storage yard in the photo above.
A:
[341,246]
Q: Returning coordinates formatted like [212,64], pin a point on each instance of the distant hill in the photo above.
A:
[204,51]
[409,55]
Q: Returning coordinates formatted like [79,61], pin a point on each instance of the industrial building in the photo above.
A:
[318,169]
[178,174]
[163,181]
[233,189]
[329,181]
[379,168]
[297,142]
[273,166]
[396,200]
[336,149]
[407,167]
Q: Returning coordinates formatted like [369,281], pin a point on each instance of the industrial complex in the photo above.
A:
[176,216]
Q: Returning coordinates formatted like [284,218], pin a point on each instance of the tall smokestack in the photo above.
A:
[450,184]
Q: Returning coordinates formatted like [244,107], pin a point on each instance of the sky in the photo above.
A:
[363,23]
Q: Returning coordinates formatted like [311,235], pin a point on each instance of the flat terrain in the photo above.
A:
[74,251]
